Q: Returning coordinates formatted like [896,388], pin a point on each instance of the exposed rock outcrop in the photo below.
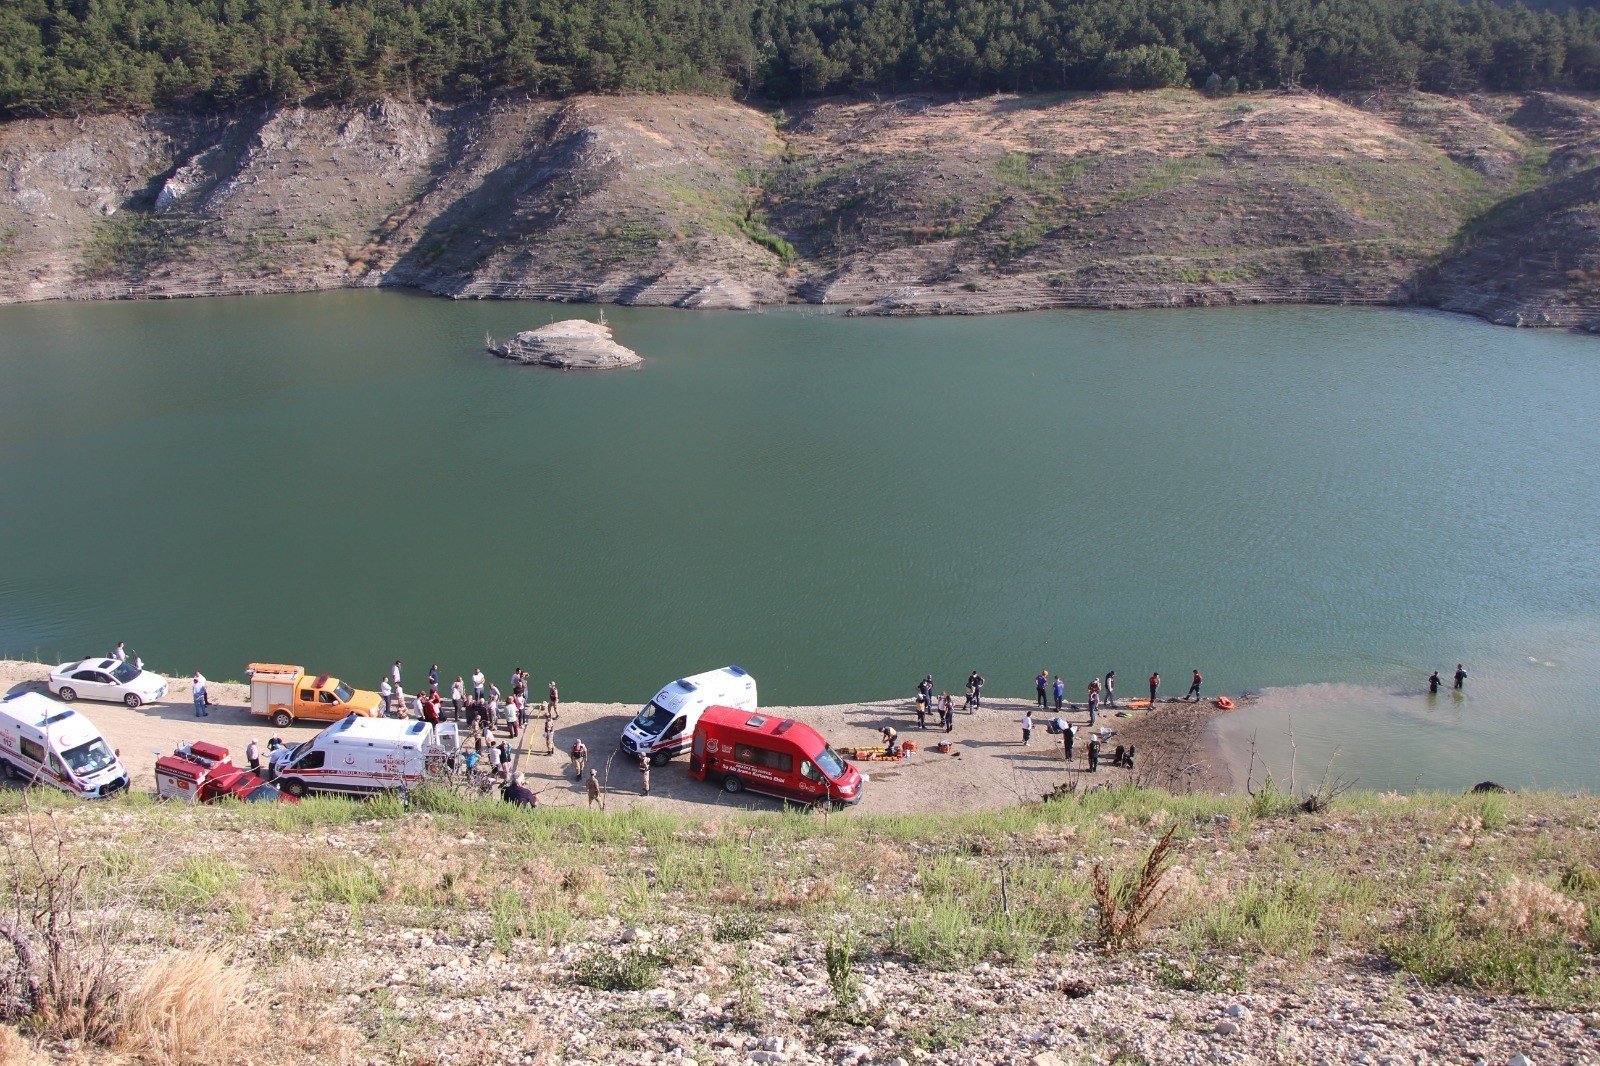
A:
[571,344]
[906,206]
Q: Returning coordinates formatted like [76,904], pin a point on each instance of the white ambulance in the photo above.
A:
[364,756]
[46,742]
[665,726]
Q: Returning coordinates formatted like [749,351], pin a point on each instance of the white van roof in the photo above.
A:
[36,711]
[713,686]
[370,730]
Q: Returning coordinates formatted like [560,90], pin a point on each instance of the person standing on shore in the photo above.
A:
[1060,691]
[1155,685]
[1194,687]
[580,759]
[197,686]
[458,697]
[975,688]
[433,675]
[120,653]
[385,693]
[1434,683]
[549,736]
[592,786]
[1094,755]
[1069,736]
[1027,728]
[922,711]
[477,683]
[252,755]
[947,711]
[1461,675]
[1094,700]
[394,672]
[644,775]
[555,698]
[1039,685]
[1111,688]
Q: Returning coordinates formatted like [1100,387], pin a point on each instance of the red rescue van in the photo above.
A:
[775,756]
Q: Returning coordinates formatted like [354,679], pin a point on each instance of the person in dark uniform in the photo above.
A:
[519,793]
[1094,755]
[1461,675]
[1433,683]
[975,688]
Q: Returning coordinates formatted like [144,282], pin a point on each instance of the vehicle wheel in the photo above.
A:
[659,758]
[281,719]
[732,784]
[67,695]
[12,772]
[294,787]
[132,701]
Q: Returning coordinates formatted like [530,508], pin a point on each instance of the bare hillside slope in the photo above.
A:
[904,206]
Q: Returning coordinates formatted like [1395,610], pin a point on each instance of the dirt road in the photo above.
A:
[988,765]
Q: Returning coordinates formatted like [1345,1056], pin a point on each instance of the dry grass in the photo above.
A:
[1531,908]
[188,1008]
[17,1051]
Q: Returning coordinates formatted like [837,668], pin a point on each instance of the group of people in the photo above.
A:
[1434,682]
[942,705]
[1068,732]
[590,776]
[480,707]
[485,701]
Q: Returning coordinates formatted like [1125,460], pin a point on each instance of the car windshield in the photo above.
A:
[262,794]
[125,672]
[344,692]
[86,759]
[829,763]
[653,719]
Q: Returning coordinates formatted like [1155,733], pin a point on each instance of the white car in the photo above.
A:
[107,679]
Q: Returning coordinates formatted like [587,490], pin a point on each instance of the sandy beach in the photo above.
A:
[988,766]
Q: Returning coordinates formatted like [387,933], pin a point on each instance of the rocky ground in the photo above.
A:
[484,934]
[902,206]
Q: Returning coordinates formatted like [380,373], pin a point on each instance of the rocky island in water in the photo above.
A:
[571,344]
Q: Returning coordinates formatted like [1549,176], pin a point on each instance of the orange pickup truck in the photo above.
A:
[286,693]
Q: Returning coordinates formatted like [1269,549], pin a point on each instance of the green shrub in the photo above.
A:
[633,971]
[1440,946]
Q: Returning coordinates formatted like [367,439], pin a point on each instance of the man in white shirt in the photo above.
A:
[120,653]
[477,683]
[385,692]
[197,685]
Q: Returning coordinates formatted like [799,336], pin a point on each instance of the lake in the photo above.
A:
[1319,505]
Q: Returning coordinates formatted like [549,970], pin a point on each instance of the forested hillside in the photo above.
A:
[66,57]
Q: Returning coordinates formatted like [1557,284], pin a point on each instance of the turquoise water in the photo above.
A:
[1319,504]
